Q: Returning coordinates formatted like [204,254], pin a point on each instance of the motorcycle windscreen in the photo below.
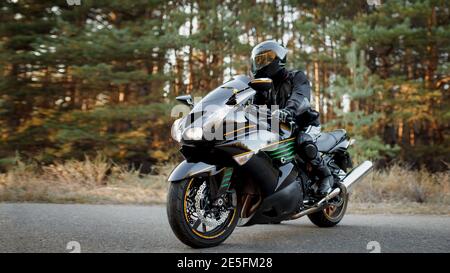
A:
[220,95]
[213,105]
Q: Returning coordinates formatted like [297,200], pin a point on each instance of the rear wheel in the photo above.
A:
[332,214]
[195,219]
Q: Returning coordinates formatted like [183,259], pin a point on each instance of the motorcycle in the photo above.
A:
[241,169]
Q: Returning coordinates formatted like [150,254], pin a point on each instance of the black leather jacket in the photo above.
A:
[292,91]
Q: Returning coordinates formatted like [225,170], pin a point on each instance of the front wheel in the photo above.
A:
[332,214]
[197,220]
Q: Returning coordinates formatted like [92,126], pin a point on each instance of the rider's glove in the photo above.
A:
[282,115]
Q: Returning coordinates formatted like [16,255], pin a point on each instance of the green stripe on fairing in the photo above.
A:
[282,145]
[285,156]
[287,145]
[287,150]
[288,158]
[227,175]
[225,185]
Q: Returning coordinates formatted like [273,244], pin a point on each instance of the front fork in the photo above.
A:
[221,190]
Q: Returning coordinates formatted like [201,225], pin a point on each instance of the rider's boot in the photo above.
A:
[324,174]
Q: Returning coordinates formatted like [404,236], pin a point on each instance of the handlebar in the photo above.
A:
[264,111]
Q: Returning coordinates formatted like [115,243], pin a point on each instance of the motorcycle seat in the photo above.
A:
[326,141]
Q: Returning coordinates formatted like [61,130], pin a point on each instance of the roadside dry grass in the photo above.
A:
[91,181]
[397,190]
[399,184]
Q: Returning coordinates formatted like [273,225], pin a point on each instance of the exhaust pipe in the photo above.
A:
[356,175]
[318,205]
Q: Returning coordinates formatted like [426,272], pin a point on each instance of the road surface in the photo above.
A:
[117,228]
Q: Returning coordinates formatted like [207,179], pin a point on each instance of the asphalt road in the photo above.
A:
[113,228]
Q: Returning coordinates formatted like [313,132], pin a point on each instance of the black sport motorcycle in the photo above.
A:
[240,168]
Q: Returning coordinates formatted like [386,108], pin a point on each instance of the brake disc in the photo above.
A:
[208,221]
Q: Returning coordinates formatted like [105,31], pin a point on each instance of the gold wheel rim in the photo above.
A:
[187,218]
[330,210]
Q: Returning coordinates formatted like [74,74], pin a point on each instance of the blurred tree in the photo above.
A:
[103,75]
[407,46]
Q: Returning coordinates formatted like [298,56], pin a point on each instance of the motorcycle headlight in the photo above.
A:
[194,133]
[176,130]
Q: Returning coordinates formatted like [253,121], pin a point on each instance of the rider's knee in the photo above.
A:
[306,147]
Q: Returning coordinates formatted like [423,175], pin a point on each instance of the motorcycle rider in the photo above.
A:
[291,92]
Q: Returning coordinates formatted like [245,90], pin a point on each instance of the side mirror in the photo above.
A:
[186,100]
[261,84]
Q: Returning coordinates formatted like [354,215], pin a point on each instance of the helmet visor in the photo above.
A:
[262,59]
